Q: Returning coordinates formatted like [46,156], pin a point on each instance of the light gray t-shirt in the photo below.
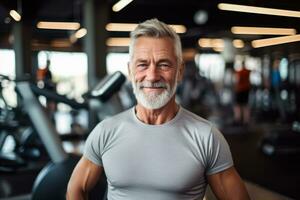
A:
[157,162]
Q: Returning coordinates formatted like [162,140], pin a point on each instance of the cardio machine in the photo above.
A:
[51,183]
[16,143]
[286,140]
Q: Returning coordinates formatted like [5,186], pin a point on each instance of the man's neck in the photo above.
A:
[157,116]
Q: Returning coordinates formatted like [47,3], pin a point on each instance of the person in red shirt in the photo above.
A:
[242,89]
[44,80]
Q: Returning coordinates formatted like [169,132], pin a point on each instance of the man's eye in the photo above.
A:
[164,65]
[141,67]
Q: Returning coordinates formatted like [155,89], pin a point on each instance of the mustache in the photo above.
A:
[159,84]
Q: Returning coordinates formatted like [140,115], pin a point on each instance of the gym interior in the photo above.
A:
[63,69]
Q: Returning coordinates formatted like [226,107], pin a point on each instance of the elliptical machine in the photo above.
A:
[51,183]
[17,146]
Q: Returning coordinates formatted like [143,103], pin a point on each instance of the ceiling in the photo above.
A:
[218,23]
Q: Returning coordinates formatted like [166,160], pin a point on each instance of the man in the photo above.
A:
[242,90]
[156,150]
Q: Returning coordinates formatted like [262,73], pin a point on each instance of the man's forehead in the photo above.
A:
[161,47]
[163,41]
[157,51]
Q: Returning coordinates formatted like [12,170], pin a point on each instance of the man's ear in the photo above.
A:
[180,72]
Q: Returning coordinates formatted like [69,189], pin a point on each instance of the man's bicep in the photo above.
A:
[227,184]
[218,156]
[85,175]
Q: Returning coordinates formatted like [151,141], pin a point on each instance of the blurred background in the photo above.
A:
[242,73]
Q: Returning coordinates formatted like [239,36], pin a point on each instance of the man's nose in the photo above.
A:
[152,73]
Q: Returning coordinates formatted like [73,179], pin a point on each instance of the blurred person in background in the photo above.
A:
[44,79]
[242,89]
[276,84]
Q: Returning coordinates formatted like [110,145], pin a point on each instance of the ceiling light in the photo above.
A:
[77,35]
[120,5]
[178,28]
[81,33]
[211,43]
[218,43]
[238,43]
[58,25]
[120,27]
[127,27]
[275,41]
[118,42]
[204,42]
[258,10]
[262,30]
[15,15]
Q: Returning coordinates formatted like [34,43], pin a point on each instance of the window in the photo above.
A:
[69,71]
[8,68]
[117,62]
[211,66]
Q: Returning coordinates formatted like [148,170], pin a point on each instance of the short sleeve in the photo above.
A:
[92,147]
[218,153]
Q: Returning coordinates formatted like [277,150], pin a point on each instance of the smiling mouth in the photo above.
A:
[153,87]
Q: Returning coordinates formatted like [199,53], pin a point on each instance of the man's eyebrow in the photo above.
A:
[140,60]
[164,60]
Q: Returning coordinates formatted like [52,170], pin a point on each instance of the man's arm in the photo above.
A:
[83,179]
[227,185]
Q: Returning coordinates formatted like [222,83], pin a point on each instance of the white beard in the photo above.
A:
[153,100]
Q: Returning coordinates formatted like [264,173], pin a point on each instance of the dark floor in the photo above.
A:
[278,173]
[19,182]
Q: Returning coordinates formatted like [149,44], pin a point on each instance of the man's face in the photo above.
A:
[154,71]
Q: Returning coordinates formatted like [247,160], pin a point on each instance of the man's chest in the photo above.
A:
[156,163]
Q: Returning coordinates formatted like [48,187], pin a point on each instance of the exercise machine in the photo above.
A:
[17,146]
[286,140]
[51,183]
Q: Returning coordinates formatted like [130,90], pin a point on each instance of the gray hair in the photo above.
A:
[157,29]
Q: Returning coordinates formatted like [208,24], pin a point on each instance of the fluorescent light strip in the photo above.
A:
[262,30]
[15,15]
[118,42]
[58,25]
[258,10]
[127,27]
[275,41]
[211,43]
[178,28]
[120,5]
[238,43]
[81,33]
[204,42]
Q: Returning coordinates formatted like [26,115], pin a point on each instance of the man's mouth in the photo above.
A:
[142,87]
[152,89]
[156,85]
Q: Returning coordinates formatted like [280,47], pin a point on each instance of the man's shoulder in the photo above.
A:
[196,126]
[193,119]
[117,119]
[187,114]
